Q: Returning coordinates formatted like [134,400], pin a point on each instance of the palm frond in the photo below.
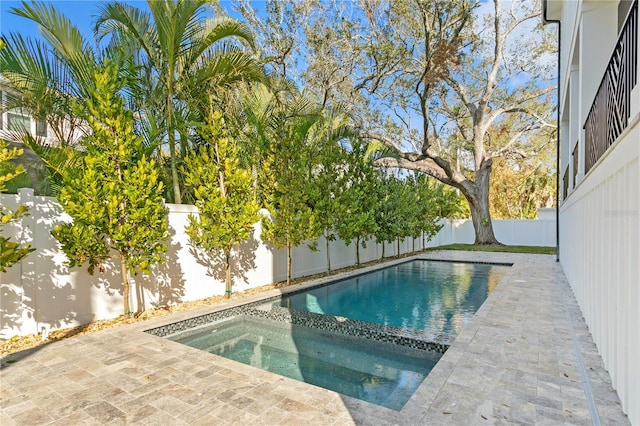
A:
[65,39]
[57,160]
[125,22]
[223,28]
[376,150]
[222,69]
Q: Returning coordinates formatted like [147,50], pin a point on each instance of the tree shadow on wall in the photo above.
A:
[41,293]
[169,278]
[243,258]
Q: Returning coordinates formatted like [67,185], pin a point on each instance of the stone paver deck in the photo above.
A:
[517,362]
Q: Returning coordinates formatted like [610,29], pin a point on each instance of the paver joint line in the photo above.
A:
[586,386]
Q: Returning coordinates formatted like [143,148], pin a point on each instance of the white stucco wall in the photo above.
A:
[41,293]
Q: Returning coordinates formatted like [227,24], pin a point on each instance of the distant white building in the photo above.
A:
[599,167]
[15,121]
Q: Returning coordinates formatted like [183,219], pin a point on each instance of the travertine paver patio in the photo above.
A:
[517,362]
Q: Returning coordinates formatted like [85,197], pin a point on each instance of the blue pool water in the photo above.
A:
[380,373]
[423,298]
[419,295]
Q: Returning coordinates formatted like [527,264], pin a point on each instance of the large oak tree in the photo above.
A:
[428,79]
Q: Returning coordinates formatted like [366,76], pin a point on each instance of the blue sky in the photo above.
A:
[79,12]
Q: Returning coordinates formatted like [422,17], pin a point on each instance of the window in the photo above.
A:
[18,121]
[41,128]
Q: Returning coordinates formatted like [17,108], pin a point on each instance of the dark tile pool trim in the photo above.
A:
[330,323]
[356,328]
[176,327]
[266,309]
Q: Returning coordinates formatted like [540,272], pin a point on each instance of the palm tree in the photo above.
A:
[178,49]
[47,76]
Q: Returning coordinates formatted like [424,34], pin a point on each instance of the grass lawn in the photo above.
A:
[508,249]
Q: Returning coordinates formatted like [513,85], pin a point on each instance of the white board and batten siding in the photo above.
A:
[600,255]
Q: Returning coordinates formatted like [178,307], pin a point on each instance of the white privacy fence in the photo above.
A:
[41,293]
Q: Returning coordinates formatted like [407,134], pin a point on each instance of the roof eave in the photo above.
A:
[551,10]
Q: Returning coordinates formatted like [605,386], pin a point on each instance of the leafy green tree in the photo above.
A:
[180,51]
[115,195]
[223,191]
[285,171]
[392,212]
[11,252]
[326,173]
[433,200]
[251,112]
[357,194]
[47,78]
[411,213]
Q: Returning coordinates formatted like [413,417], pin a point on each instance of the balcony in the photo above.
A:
[610,112]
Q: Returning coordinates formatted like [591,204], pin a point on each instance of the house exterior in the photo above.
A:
[16,121]
[599,169]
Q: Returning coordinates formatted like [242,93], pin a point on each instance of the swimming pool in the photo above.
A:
[440,297]
[381,373]
[337,335]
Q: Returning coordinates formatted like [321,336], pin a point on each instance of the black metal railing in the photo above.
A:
[565,184]
[610,111]
[575,166]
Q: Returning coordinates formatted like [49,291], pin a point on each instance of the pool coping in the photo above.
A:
[424,395]
[514,362]
[415,410]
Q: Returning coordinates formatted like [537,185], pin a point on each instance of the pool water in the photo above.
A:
[430,299]
[419,295]
[380,373]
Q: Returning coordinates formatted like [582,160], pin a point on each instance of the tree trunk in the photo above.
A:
[479,206]
[141,305]
[398,244]
[171,136]
[177,197]
[288,263]
[227,270]
[358,251]
[254,177]
[125,286]
[326,242]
